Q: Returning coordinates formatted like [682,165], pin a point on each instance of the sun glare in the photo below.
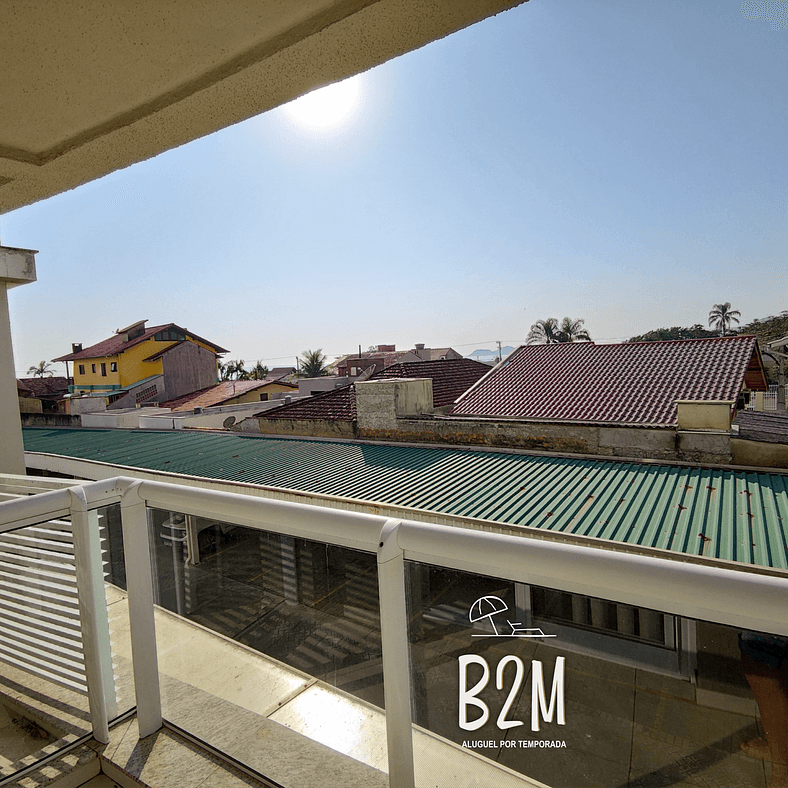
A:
[326,107]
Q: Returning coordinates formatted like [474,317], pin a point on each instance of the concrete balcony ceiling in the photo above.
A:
[91,87]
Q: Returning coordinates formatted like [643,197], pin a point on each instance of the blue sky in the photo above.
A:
[624,163]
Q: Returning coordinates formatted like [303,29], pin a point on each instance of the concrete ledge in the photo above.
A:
[17,266]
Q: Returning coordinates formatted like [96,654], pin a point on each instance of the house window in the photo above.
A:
[113,366]
[264,398]
[81,369]
[103,370]
[169,336]
[93,368]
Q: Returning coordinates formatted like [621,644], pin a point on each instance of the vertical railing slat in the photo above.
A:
[93,615]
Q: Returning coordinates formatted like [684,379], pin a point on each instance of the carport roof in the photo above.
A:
[712,512]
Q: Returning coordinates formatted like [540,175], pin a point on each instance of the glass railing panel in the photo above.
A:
[43,685]
[312,606]
[289,614]
[574,691]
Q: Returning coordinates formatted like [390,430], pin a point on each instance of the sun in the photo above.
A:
[326,107]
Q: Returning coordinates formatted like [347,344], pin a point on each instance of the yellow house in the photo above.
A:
[155,364]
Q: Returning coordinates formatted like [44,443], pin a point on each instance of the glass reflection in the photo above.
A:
[581,692]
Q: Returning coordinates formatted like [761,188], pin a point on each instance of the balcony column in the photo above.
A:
[17,267]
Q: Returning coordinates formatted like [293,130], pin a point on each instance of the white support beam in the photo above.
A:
[17,267]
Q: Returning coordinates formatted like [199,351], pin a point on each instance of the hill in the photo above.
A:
[767,329]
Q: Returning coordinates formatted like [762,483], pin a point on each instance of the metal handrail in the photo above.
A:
[742,599]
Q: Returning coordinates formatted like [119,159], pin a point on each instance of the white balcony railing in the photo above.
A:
[738,597]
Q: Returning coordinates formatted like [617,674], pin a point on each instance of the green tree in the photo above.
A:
[42,370]
[313,364]
[721,317]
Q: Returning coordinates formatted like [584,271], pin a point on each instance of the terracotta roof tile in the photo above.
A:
[449,380]
[214,395]
[46,386]
[630,383]
[766,427]
[115,344]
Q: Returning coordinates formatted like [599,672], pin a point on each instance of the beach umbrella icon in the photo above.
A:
[487,607]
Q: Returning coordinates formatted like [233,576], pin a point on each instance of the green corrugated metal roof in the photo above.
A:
[719,513]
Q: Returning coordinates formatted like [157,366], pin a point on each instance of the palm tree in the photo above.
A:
[544,332]
[573,331]
[259,372]
[313,364]
[41,370]
[550,332]
[721,317]
[233,370]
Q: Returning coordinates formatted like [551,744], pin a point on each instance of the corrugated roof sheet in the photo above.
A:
[630,383]
[718,513]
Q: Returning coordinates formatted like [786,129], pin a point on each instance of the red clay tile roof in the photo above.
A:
[215,395]
[115,344]
[46,386]
[631,383]
[449,380]
[335,405]
[766,427]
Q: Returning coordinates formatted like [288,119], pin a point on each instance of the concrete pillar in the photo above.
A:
[17,267]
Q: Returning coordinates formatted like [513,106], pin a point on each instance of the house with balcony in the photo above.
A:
[141,364]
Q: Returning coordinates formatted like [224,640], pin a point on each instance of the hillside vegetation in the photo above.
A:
[766,329]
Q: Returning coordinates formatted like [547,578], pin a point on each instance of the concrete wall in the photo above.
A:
[30,405]
[187,367]
[118,419]
[307,387]
[708,415]
[639,442]
[380,403]
[130,400]
[294,427]
[50,420]
[759,453]
[665,443]
[80,405]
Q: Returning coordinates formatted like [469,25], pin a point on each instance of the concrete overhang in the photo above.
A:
[17,266]
[94,86]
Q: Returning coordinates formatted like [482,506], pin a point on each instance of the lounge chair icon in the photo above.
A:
[491,606]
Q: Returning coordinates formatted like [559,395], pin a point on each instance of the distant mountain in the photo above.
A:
[489,356]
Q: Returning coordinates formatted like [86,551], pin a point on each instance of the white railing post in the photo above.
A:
[139,581]
[397,688]
[96,647]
